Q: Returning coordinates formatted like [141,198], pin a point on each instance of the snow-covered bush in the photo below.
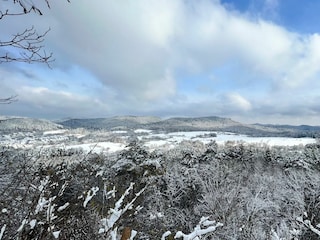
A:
[202,231]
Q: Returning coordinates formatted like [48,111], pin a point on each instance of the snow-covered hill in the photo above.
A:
[27,124]
[212,123]
[121,122]
[104,141]
[132,123]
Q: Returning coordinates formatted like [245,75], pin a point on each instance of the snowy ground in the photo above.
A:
[117,140]
[172,139]
[99,147]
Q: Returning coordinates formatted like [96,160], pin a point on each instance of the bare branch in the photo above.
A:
[29,43]
[25,46]
[25,8]
[8,100]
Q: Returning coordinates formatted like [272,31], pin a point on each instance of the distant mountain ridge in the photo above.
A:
[119,122]
[298,131]
[197,123]
[210,123]
[150,122]
[27,124]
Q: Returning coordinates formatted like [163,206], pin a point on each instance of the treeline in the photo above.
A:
[235,190]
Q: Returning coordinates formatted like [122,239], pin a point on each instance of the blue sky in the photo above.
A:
[252,61]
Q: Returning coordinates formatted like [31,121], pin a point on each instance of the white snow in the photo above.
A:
[99,173]
[198,231]
[271,141]
[4,210]
[33,223]
[308,224]
[54,132]
[64,206]
[42,202]
[50,209]
[113,233]
[90,194]
[154,144]
[111,193]
[166,234]
[71,139]
[118,210]
[56,234]
[24,222]
[133,234]
[2,231]
[120,131]
[171,139]
[98,147]
[142,131]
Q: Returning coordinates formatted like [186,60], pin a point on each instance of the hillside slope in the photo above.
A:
[27,124]
[121,122]
[211,123]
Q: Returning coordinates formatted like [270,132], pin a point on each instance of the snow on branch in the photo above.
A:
[118,210]
[308,224]
[204,227]
[166,234]
[2,231]
[90,194]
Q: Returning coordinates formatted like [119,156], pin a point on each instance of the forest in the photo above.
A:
[192,191]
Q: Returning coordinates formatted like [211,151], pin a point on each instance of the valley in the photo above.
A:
[158,179]
[114,134]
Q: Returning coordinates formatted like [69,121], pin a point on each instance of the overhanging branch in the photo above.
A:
[29,45]
[8,100]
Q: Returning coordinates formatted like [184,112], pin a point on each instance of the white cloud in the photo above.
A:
[271,7]
[138,50]
[156,89]
[236,102]
[63,103]
[306,67]
[125,44]
[130,46]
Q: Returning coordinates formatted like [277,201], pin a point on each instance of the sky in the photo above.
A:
[249,60]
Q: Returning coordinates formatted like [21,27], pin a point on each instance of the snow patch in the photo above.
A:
[99,147]
[4,210]
[198,231]
[56,234]
[61,208]
[90,194]
[133,234]
[33,223]
[24,222]
[142,131]
[2,231]
[54,132]
[166,234]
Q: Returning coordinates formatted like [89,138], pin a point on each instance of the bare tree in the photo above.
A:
[8,100]
[28,43]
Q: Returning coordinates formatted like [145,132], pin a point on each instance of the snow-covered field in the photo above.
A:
[117,140]
[171,139]
[99,147]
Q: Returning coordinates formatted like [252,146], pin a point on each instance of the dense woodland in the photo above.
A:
[192,191]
